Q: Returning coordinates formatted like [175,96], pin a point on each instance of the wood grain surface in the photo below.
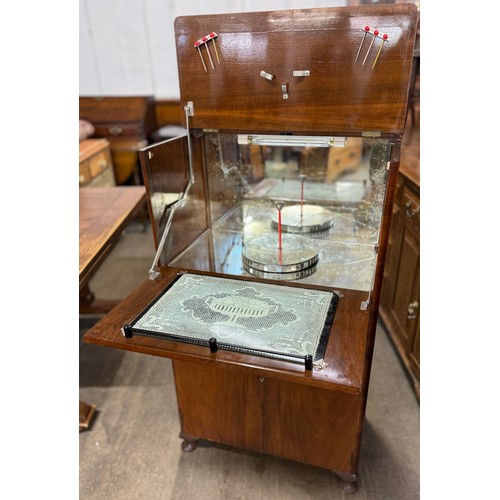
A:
[302,423]
[104,213]
[261,404]
[341,95]
[344,356]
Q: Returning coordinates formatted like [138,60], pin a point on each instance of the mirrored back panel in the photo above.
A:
[290,208]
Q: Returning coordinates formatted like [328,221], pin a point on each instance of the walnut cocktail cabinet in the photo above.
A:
[265,285]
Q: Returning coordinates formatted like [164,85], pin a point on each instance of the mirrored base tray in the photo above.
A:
[304,219]
[261,319]
[340,264]
[297,258]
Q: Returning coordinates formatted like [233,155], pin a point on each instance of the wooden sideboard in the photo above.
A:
[127,123]
[400,296]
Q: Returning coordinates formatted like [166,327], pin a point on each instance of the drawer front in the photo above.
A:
[119,130]
[99,162]
[411,210]
[85,176]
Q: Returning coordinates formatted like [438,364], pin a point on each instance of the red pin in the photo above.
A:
[205,40]
[366,30]
[375,33]
[279,206]
[214,36]
[384,39]
[302,178]
[197,45]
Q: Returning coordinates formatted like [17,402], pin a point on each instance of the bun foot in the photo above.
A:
[189,443]
[350,487]
[350,482]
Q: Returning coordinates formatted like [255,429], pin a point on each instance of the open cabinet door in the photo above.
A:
[171,173]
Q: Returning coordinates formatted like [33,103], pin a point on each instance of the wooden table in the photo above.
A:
[104,214]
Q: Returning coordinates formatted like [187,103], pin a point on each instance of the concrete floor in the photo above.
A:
[132,451]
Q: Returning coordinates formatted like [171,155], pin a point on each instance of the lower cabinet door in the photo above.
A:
[296,421]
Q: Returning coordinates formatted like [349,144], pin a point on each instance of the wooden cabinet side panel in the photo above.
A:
[219,405]
[311,425]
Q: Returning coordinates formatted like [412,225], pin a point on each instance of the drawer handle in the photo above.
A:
[410,211]
[115,130]
[412,310]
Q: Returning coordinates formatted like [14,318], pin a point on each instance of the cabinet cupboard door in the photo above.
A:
[290,420]
[405,303]
[167,173]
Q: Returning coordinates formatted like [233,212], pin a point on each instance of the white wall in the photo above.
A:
[127,47]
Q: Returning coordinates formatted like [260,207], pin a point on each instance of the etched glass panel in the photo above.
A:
[256,318]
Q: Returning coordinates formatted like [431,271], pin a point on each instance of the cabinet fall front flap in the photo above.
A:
[344,70]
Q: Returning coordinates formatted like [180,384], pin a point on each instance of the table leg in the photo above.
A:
[87,413]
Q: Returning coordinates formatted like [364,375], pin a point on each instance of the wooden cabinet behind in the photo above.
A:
[96,166]
[127,123]
[400,297]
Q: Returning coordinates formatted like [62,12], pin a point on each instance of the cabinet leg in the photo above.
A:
[350,482]
[86,297]
[189,443]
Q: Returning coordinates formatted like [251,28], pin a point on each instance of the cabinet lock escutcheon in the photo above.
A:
[284,90]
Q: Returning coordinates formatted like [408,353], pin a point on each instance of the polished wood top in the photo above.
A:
[104,213]
[339,96]
[344,356]
[89,147]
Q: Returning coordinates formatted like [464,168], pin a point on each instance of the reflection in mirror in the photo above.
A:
[307,213]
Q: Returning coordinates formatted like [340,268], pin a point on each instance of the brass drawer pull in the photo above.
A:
[115,130]
[412,307]
[410,211]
